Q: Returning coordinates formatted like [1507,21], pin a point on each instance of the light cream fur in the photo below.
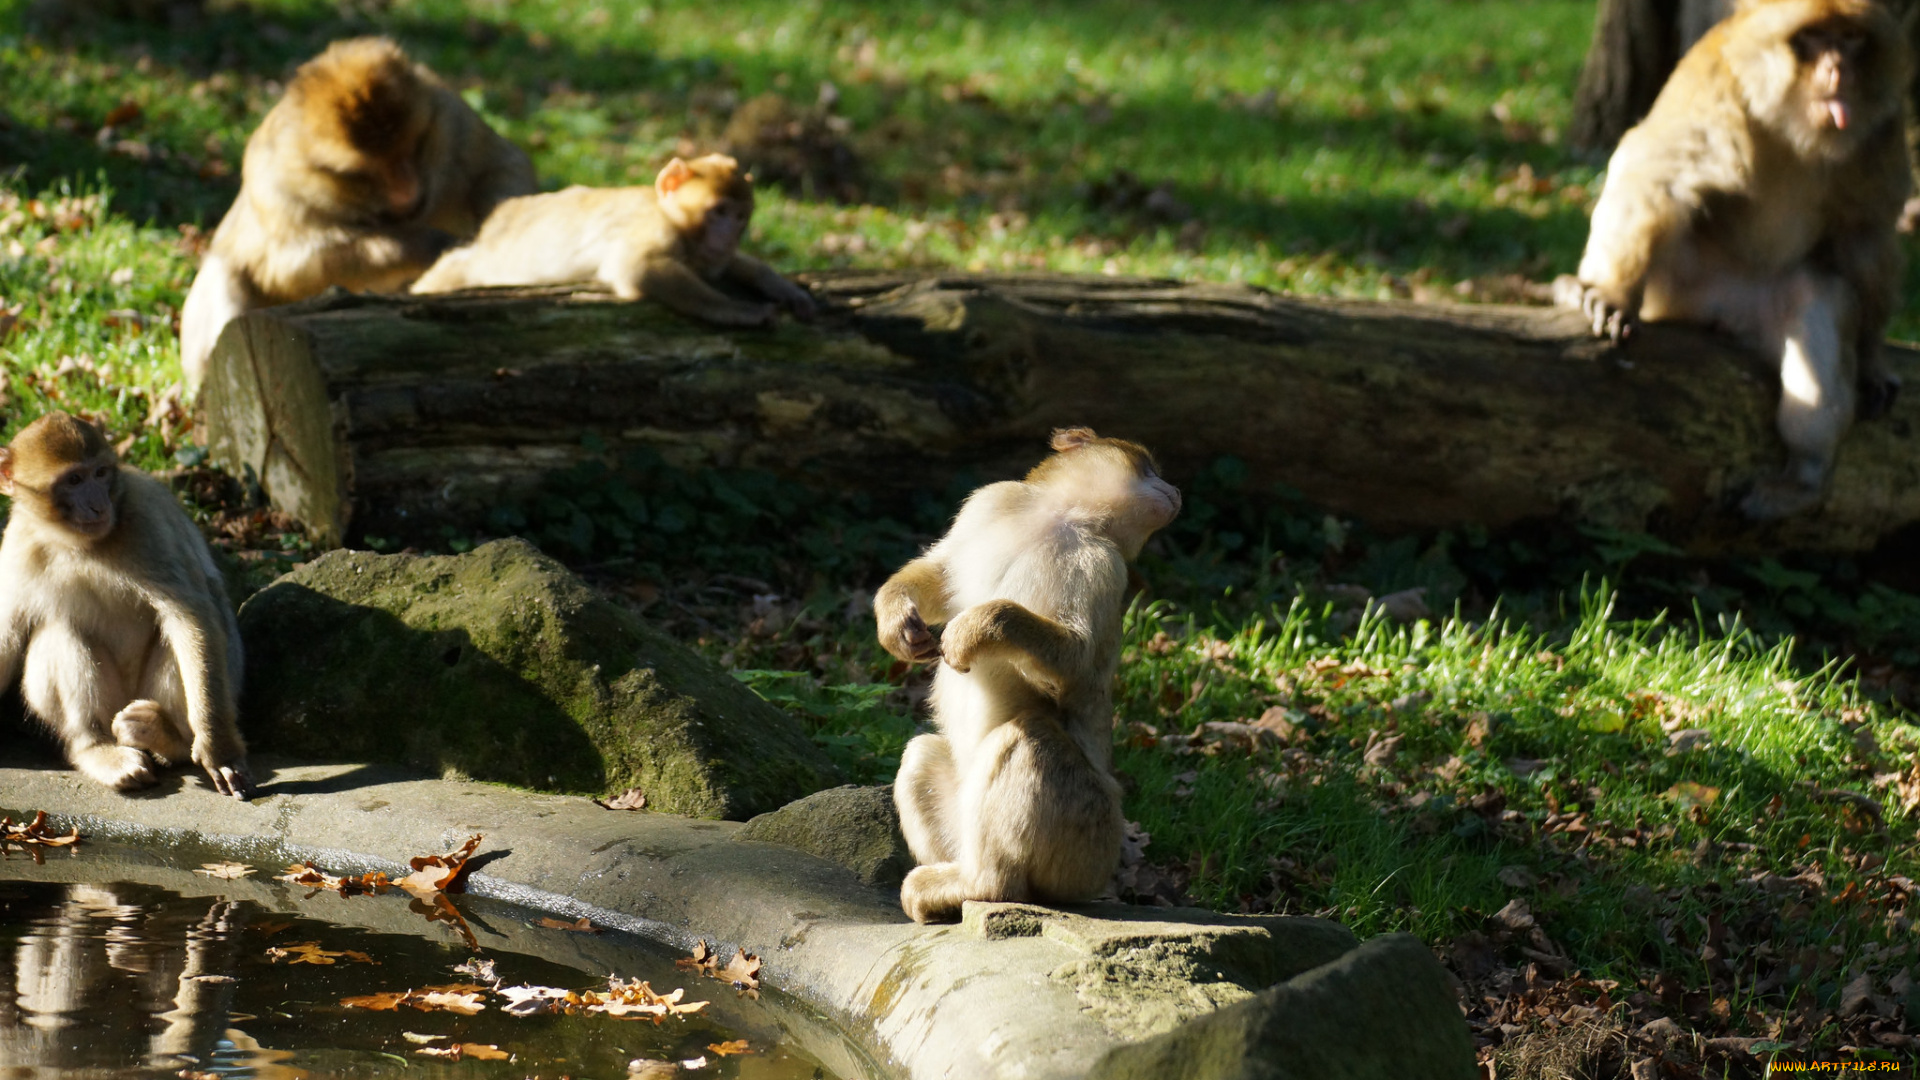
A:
[1014,798]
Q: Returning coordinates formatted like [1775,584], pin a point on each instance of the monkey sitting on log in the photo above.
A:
[667,242]
[113,614]
[1760,196]
[1014,798]
[360,176]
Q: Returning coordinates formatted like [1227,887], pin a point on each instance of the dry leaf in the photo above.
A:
[227,870]
[438,908]
[305,873]
[579,926]
[479,969]
[439,873]
[35,832]
[742,970]
[650,1069]
[694,1063]
[1689,794]
[630,799]
[459,1051]
[725,1049]
[533,1000]
[310,952]
[416,1037]
[386,1002]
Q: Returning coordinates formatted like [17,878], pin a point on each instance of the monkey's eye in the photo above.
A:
[101,473]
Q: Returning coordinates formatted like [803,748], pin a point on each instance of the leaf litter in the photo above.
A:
[742,970]
[35,833]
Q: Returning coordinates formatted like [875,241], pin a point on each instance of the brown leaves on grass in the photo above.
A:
[743,970]
[439,873]
[35,833]
[310,952]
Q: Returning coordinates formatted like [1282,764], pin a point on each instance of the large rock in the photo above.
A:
[851,826]
[501,665]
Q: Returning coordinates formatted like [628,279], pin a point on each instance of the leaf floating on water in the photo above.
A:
[533,1000]
[310,952]
[227,870]
[459,1051]
[729,1048]
[439,908]
[631,799]
[268,929]
[386,1002]
[416,1037]
[694,1063]
[579,926]
[743,971]
[305,873]
[650,1069]
[479,969]
[35,832]
[439,873]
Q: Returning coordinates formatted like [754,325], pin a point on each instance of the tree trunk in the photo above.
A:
[1635,45]
[385,415]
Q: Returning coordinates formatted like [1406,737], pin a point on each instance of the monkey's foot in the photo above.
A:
[143,726]
[1877,397]
[1779,497]
[933,893]
[122,768]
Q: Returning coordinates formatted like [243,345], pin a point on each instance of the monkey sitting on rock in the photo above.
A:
[1014,798]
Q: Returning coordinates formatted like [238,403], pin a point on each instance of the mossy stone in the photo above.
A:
[853,826]
[500,664]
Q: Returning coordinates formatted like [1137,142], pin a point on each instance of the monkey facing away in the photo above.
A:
[1013,799]
[113,614]
[667,243]
[360,176]
[1760,196]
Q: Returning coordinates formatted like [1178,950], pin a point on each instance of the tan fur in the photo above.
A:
[363,173]
[1740,202]
[1014,799]
[113,614]
[666,243]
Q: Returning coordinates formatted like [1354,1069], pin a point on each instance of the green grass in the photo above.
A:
[1336,148]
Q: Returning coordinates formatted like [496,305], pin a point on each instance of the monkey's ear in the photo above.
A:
[674,174]
[6,471]
[1072,438]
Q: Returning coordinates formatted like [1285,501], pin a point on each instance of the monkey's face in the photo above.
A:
[83,497]
[365,129]
[1830,58]
[1825,75]
[709,201]
[1115,479]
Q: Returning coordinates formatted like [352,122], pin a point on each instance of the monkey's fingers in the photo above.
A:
[231,780]
[802,305]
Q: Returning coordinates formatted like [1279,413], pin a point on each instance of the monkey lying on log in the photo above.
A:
[380,415]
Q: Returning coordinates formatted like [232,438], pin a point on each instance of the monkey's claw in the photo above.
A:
[231,780]
[1608,319]
[916,643]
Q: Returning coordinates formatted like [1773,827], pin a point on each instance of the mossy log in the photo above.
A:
[383,415]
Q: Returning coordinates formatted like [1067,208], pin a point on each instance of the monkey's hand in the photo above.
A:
[1610,318]
[910,640]
[968,637]
[796,300]
[227,772]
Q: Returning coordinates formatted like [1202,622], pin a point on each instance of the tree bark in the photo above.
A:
[389,415]
[1636,43]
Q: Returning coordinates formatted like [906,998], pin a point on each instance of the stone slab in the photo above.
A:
[1013,992]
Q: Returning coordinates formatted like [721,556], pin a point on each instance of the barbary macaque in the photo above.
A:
[667,243]
[1014,799]
[1760,196]
[114,615]
[364,172]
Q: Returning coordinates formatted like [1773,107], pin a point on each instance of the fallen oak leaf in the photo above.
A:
[439,873]
[742,970]
[630,799]
[729,1048]
[35,832]
[226,870]
[386,1002]
[310,952]
[579,926]
[461,1051]
[418,1038]
[533,1000]
[450,999]
[702,958]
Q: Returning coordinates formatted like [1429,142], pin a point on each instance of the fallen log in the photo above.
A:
[365,415]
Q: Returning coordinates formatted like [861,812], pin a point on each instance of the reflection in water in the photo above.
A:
[122,981]
[92,965]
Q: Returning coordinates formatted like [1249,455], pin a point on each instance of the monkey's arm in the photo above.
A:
[773,285]
[667,280]
[16,629]
[192,631]
[914,597]
[1001,627]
